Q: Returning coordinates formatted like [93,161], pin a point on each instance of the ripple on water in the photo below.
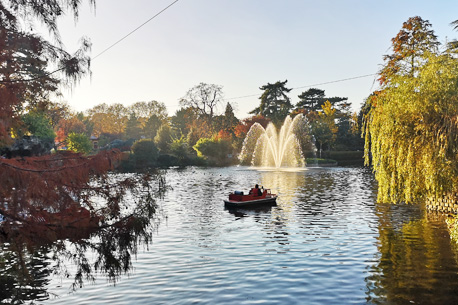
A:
[326,242]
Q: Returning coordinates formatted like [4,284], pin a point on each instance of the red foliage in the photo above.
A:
[66,126]
[223,135]
[54,182]
[244,126]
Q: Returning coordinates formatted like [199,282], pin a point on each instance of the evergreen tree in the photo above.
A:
[275,103]
[313,99]
[151,126]
[133,128]
[163,138]
[230,120]
[183,120]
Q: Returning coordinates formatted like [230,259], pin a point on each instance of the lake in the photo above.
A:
[326,241]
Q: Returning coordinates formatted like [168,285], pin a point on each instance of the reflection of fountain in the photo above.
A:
[269,148]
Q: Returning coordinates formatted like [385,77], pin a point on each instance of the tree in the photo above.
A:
[179,148]
[57,112]
[37,124]
[108,118]
[313,99]
[151,127]
[204,98]
[275,104]
[349,133]
[79,143]
[31,67]
[133,128]
[214,150]
[226,122]
[229,119]
[324,127]
[183,120]
[163,139]
[144,110]
[453,45]
[145,153]
[411,44]
[411,133]
[67,126]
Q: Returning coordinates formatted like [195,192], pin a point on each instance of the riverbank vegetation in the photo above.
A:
[196,134]
[410,123]
[411,126]
[66,195]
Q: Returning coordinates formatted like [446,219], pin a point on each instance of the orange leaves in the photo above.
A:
[223,135]
[52,182]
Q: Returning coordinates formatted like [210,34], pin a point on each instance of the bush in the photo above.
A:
[345,158]
[144,153]
[215,151]
[79,142]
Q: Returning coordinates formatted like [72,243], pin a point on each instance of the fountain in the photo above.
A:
[269,148]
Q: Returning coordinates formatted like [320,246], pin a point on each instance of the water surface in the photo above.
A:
[326,242]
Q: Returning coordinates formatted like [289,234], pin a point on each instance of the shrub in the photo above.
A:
[79,142]
[145,153]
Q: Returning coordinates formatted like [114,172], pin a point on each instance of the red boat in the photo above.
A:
[255,197]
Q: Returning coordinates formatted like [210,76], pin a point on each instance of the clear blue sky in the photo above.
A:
[240,45]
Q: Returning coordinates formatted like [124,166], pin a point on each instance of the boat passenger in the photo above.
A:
[256,191]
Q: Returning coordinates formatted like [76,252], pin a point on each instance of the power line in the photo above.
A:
[314,85]
[136,29]
[336,81]
[108,48]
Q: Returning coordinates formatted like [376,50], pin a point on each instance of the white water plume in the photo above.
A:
[270,148]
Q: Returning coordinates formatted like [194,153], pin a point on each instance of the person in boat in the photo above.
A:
[256,191]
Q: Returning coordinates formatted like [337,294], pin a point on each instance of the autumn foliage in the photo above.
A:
[45,187]
[54,182]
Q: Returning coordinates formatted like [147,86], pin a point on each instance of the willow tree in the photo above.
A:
[411,133]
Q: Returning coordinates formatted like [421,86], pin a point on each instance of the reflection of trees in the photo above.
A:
[23,277]
[33,250]
[417,264]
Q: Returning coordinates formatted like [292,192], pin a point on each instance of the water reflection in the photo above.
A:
[326,242]
[34,251]
[247,212]
[415,263]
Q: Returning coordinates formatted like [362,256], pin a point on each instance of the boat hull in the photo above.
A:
[247,203]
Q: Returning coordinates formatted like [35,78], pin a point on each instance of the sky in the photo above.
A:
[240,45]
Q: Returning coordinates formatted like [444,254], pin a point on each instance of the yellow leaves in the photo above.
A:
[412,134]
[328,110]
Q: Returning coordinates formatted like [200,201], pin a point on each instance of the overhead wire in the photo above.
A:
[156,15]
[136,29]
[308,86]
[105,50]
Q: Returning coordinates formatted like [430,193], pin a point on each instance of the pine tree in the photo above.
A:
[275,103]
